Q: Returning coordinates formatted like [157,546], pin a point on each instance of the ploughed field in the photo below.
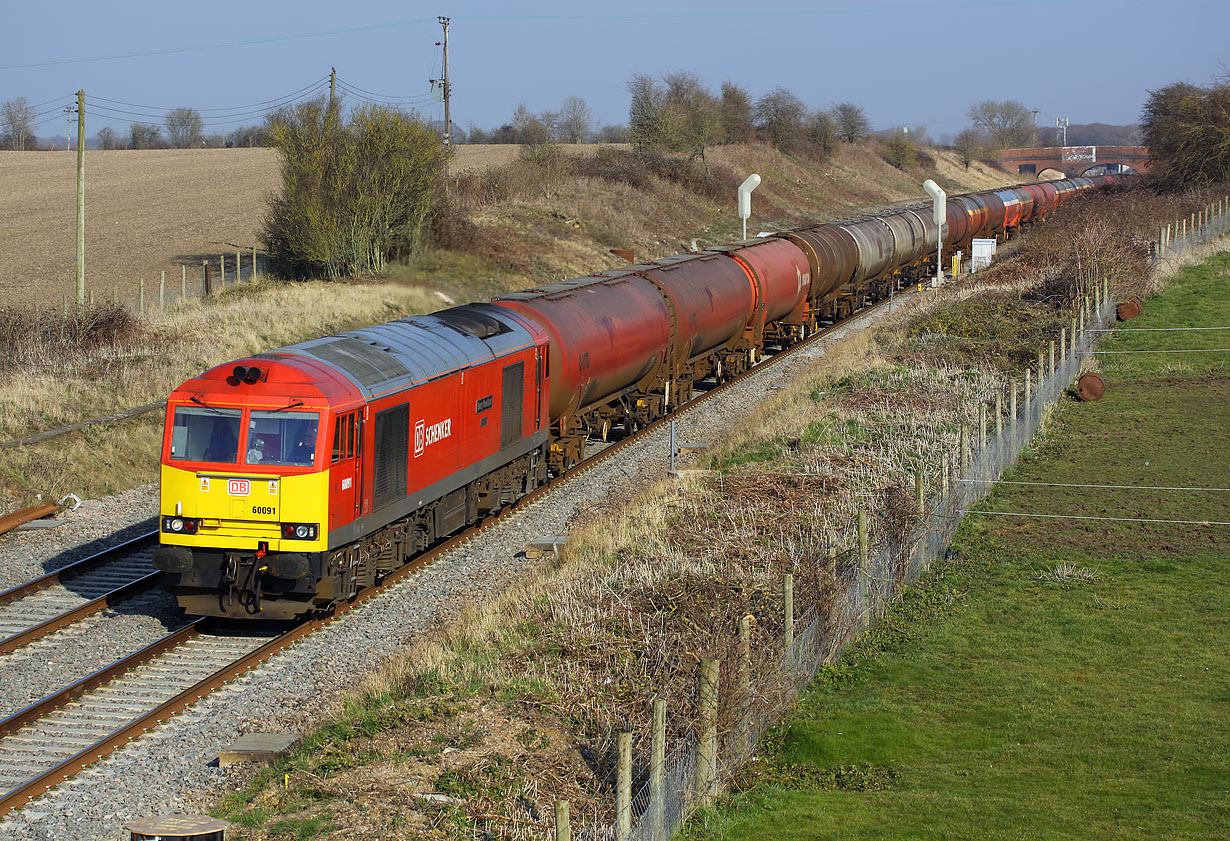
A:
[146,212]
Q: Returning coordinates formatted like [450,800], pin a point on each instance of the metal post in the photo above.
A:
[672,446]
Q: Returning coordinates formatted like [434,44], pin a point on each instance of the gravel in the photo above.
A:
[175,768]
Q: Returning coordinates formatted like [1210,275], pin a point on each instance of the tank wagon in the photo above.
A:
[294,478]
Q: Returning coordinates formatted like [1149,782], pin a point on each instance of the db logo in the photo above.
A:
[238,487]
[420,438]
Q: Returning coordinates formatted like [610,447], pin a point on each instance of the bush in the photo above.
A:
[354,195]
[49,339]
[1187,130]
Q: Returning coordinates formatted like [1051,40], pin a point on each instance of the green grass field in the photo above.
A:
[1054,679]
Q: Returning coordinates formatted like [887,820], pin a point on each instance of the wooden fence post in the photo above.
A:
[944,468]
[1052,368]
[706,755]
[183,282]
[623,788]
[238,267]
[982,426]
[1041,369]
[657,771]
[999,415]
[1012,403]
[141,295]
[1063,344]
[563,826]
[1026,410]
[964,446]
[788,617]
[863,589]
[919,493]
[254,273]
[222,271]
[744,739]
[162,291]
[208,287]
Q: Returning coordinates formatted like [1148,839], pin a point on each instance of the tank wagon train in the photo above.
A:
[293,478]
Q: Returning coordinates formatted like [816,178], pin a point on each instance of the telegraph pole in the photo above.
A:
[1035,113]
[448,124]
[332,88]
[81,198]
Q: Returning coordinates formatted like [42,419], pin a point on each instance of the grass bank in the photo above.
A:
[1053,678]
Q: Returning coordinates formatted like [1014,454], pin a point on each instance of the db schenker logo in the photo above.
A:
[425,436]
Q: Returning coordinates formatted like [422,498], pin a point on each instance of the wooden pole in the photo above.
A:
[863,589]
[999,415]
[1012,404]
[254,274]
[788,616]
[1026,409]
[919,495]
[563,826]
[205,273]
[222,271]
[706,760]
[238,267]
[141,296]
[657,771]
[744,738]
[162,291]
[982,426]
[964,448]
[944,468]
[81,197]
[183,282]
[1052,368]
[623,789]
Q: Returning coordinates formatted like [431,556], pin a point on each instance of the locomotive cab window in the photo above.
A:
[283,438]
[345,436]
[203,434]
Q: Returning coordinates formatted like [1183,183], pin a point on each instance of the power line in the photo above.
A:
[308,88]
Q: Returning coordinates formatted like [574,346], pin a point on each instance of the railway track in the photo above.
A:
[56,600]
[53,739]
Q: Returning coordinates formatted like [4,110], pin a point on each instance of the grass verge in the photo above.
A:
[1052,678]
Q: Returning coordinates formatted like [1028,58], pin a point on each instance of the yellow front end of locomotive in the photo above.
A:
[245,511]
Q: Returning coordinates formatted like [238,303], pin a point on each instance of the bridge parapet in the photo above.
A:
[1074,160]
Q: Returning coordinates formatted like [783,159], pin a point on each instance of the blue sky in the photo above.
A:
[906,62]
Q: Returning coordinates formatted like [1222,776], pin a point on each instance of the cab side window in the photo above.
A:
[345,436]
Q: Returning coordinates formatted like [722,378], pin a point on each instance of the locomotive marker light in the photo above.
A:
[940,213]
[745,199]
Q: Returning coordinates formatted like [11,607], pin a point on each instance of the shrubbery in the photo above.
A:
[1187,130]
[355,194]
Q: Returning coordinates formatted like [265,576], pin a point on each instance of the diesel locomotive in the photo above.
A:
[293,478]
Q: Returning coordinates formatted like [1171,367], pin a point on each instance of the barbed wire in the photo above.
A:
[1073,485]
[1087,517]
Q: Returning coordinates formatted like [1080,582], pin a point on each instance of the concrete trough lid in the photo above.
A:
[549,545]
[258,747]
[693,447]
[197,827]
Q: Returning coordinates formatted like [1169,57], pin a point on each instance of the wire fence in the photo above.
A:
[865,579]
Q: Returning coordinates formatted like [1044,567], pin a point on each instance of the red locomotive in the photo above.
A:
[294,478]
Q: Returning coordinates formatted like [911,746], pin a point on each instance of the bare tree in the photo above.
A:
[611,134]
[968,143]
[15,132]
[1008,124]
[692,114]
[145,136]
[737,114]
[108,139]
[852,122]
[184,128]
[823,132]
[1187,130]
[779,115]
[575,120]
[646,117]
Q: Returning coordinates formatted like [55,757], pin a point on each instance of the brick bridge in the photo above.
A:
[1074,160]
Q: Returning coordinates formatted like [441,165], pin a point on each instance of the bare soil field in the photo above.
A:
[146,212]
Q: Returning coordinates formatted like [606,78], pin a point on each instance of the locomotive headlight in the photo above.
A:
[299,531]
[179,525]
